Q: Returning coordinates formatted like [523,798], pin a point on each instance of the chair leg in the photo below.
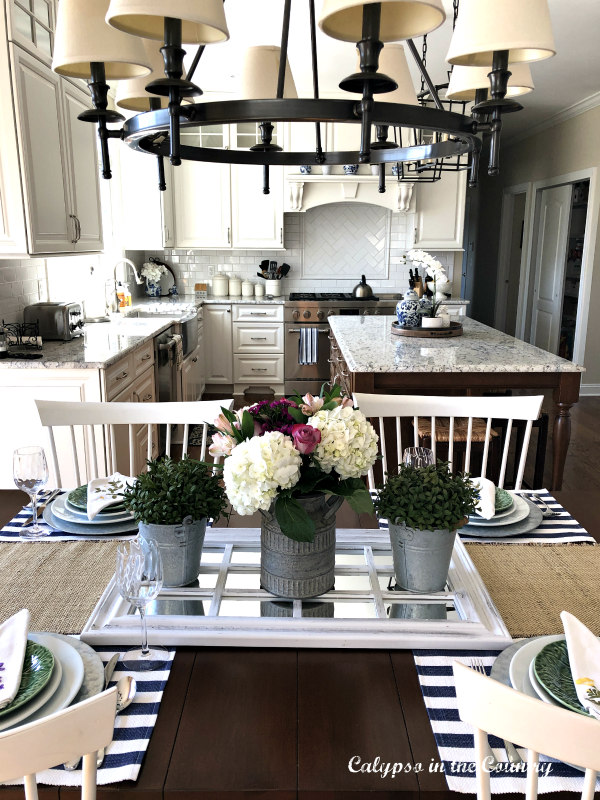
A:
[540,452]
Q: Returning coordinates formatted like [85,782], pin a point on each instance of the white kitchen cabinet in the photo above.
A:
[218,348]
[256,218]
[57,157]
[258,347]
[440,214]
[252,370]
[192,375]
[202,205]
[31,25]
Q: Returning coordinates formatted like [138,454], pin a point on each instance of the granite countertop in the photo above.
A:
[368,345]
[100,346]
[211,300]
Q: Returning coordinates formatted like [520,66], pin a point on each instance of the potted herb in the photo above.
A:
[171,503]
[424,507]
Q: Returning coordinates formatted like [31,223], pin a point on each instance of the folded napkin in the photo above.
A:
[584,658]
[487,497]
[13,640]
[103,492]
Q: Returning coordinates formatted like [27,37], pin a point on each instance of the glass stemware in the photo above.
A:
[139,576]
[418,457]
[30,473]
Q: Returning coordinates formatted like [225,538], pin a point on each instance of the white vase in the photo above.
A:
[431,322]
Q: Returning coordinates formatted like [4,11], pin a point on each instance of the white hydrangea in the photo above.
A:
[348,441]
[257,468]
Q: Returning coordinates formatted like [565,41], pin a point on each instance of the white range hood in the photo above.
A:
[307,191]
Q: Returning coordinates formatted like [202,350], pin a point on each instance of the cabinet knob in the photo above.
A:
[194,359]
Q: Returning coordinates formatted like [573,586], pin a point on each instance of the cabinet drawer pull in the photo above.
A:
[146,357]
[259,313]
[258,369]
[147,397]
[73,217]
[121,376]
[258,338]
[194,359]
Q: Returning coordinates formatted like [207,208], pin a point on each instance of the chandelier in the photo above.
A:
[139,43]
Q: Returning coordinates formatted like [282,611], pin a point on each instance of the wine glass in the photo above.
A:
[30,473]
[139,576]
[418,457]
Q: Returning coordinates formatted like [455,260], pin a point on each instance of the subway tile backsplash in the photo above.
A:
[328,248]
[22,282]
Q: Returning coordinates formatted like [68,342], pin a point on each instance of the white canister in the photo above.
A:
[273,288]
[220,286]
[259,290]
[235,287]
[247,289]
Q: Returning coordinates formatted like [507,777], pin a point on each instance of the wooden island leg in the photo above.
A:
[565,395]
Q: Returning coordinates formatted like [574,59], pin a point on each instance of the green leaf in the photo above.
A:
[297,415]
[293,519]
[247,425]
[229,415]
[355,492]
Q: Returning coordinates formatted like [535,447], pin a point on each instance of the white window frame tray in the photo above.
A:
[480,625]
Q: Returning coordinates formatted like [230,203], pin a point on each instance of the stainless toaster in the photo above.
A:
[57,320]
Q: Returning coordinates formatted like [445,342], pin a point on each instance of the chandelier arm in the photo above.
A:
[162,183]
[424,74]
[194,64]
[369,48]
[285,33]
[315,76]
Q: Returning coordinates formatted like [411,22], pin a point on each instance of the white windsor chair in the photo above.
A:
[82,729]
[494,708]
[413,407]
[98,455]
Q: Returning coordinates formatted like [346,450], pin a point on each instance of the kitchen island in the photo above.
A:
[366,357]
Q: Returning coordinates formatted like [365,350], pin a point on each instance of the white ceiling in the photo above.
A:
[571,76]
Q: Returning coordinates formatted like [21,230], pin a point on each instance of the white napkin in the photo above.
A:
[584,658]
[13,640]
[103,492]
[487,497]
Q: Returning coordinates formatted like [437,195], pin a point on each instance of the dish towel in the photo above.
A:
[103,492]
[584,658]
[178,339]
[487,497]
[561,528]
[454,738]
[308,346]
[13,640]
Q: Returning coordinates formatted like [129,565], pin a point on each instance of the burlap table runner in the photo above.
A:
[59,582]
[532,584]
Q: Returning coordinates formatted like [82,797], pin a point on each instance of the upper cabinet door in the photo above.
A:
[39,128]
[83,161]
[441,212]
[31,25]
[257,218]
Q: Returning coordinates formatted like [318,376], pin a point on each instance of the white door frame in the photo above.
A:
[585,280]
[506,220]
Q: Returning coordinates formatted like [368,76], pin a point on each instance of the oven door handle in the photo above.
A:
[297,330]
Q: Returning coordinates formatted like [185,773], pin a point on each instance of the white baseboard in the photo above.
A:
[590,390]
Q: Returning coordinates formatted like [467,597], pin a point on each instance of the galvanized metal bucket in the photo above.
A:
[299,570]
[421,558]
[180,548]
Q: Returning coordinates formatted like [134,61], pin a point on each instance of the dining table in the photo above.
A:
[286,723]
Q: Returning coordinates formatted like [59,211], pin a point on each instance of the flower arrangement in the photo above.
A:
[434,269]
[276,452]
[152,271]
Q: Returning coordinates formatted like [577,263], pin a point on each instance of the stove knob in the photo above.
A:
[320,315]
[295,315]
[306,314]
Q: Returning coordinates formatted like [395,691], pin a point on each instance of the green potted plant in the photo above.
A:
[171,503]
[424,507]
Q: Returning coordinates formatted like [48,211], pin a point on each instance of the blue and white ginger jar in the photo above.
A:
[407,312]
[424,306]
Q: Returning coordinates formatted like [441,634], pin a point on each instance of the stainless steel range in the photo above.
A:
[305,310]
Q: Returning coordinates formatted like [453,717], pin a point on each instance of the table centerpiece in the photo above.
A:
[295,460]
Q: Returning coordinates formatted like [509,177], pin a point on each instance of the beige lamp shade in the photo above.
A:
[260,71]
[465,81]
[483,26]
[132,94]
[400,19]
[202,21]
[82,36]
[392,62]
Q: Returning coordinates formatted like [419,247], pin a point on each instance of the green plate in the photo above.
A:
[553,671]
[78,498]
[37,669]
[504,500]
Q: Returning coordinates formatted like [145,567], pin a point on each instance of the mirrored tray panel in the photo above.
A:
[226,605]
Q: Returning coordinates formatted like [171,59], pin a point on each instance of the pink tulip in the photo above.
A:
[306,438]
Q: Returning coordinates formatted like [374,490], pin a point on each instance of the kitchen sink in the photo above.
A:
[186,321]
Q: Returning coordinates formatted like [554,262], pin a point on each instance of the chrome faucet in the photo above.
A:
[138,279]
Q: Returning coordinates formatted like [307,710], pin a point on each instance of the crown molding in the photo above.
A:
[562,116]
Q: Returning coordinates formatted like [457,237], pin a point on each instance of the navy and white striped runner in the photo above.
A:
[454,738]
[133,726]
[561,528]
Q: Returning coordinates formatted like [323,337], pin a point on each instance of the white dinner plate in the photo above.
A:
[477,518]
[87,530]
[60,511]
[518,511]
[519,666]
[22,714]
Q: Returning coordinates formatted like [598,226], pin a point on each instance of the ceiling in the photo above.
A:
[568,78]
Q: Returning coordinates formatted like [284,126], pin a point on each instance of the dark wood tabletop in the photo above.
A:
[284,723]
